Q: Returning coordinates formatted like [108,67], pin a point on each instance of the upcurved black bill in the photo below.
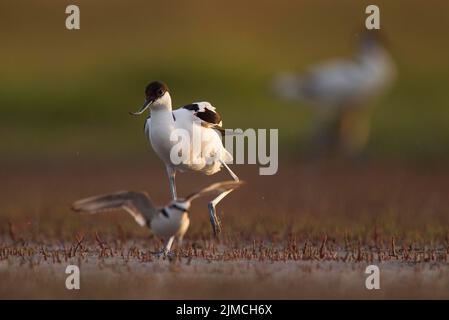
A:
[142,109]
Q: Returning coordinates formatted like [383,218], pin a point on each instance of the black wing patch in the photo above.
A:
[192,107]
[209,116]
[206,114]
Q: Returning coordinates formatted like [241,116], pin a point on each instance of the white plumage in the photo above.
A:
[206,159]
[186,139]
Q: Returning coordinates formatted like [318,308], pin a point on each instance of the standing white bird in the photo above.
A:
[173,133]
[339,89]
[167,222]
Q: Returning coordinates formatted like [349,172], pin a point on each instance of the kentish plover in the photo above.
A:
[167,222]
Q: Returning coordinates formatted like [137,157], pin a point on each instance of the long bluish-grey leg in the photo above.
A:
[171,179]
[214,220]
[233,175]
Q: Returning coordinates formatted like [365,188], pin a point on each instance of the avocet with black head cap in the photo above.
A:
[200,122]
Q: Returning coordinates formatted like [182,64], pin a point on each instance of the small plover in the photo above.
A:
[166,222]
[339,89]
[199,120]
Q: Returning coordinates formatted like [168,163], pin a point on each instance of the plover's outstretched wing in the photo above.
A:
[138,204]
[215,188]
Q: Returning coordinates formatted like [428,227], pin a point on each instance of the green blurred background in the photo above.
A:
[68,93]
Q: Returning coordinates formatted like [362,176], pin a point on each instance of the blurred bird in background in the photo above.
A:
[340,93]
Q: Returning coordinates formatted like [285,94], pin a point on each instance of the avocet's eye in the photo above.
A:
[160,92]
